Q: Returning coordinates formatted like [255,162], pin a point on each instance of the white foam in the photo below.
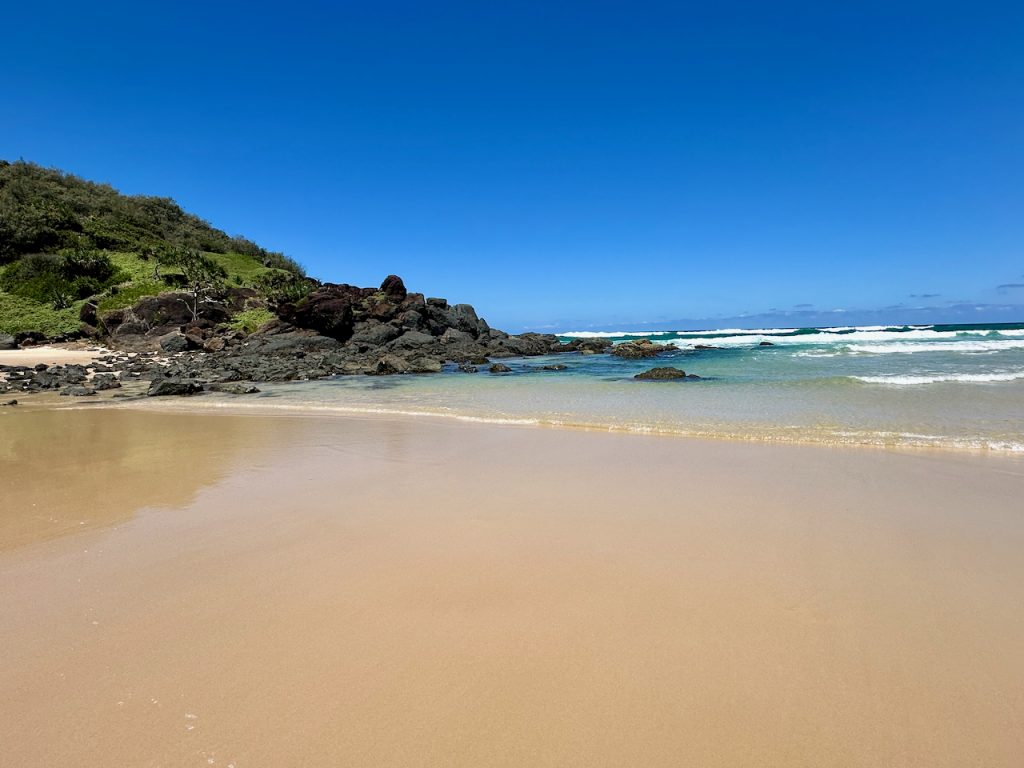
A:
[940,378]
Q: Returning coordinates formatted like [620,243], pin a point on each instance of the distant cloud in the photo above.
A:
[1009,286]
[925,295]
[802,306]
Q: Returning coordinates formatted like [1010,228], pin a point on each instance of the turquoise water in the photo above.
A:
[951,386]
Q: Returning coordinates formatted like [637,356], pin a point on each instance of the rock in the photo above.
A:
[104,381]
[499,368]
[327,310]
[425,364]
[394,287]
[374,333]
[388,365]
[174,341]
[706,346]
[412,340]
[7,342]
[216,344]
[453,336]
[167,387]
[467,368]
[77,392]
[232,388]
[589,346]
[439,303]
[555,367]
[766,344]
[635,350]
[661,374]
[10,402]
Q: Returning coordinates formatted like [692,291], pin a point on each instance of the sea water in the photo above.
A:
[950,386]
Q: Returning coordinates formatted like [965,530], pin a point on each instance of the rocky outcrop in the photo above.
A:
[635,350]
[8,342]
[664,374]
[168,387]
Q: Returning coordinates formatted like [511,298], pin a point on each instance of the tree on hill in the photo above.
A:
[204,278]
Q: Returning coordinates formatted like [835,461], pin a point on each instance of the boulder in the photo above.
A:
[766,344]
[635,350]
[7,342]
[664,374]
[77,392]
[499,368]
[104,381]
[703,347]
[169,387]
[232,388]
[327,310]
[373,333]
[389,364]
[467,368]
[174,341]
[412,340]
[393,287]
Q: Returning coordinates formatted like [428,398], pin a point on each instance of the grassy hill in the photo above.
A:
[65,241]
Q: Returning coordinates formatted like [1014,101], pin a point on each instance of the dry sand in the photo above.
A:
[69,354]
[382,592]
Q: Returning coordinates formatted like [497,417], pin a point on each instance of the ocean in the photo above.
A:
[943,386]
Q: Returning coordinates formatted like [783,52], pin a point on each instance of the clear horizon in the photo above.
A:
[586,167]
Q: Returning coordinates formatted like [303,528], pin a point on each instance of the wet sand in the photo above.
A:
[389,592]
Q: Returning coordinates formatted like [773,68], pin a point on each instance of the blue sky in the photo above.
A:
[559,164]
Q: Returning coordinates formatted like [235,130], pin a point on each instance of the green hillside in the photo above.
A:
[65,241]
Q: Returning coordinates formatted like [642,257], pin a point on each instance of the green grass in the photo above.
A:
[251,320]
[18,315]
[126,295]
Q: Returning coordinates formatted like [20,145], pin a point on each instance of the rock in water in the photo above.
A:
[499,368]
[766,344]
[635,350]
[664,374]
[167,387]
[232,388]
[77,392]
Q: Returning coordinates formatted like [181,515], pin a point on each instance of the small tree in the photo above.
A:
[204,277]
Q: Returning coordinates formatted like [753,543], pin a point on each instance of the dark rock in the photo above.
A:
[663,374]
[467,368]
[232,388]
[7,342]
[374,334]
[635,350]
[706,346]
[104,381]
[435,302]
[766,344]
[174,341]
[216,344]
[499,368]
[167,387]
[394,287]
[589,346]
[389,364]
[555,367]
[77,392]
[413,339]
[327,310]
[10,402]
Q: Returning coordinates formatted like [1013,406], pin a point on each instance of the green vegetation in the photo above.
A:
[251,320]
[65,241]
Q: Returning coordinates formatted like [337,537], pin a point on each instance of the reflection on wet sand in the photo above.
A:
[72,470]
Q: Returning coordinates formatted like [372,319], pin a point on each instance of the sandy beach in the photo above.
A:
[231,590]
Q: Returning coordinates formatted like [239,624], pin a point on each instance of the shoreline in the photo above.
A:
[394,590]
[240,405]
